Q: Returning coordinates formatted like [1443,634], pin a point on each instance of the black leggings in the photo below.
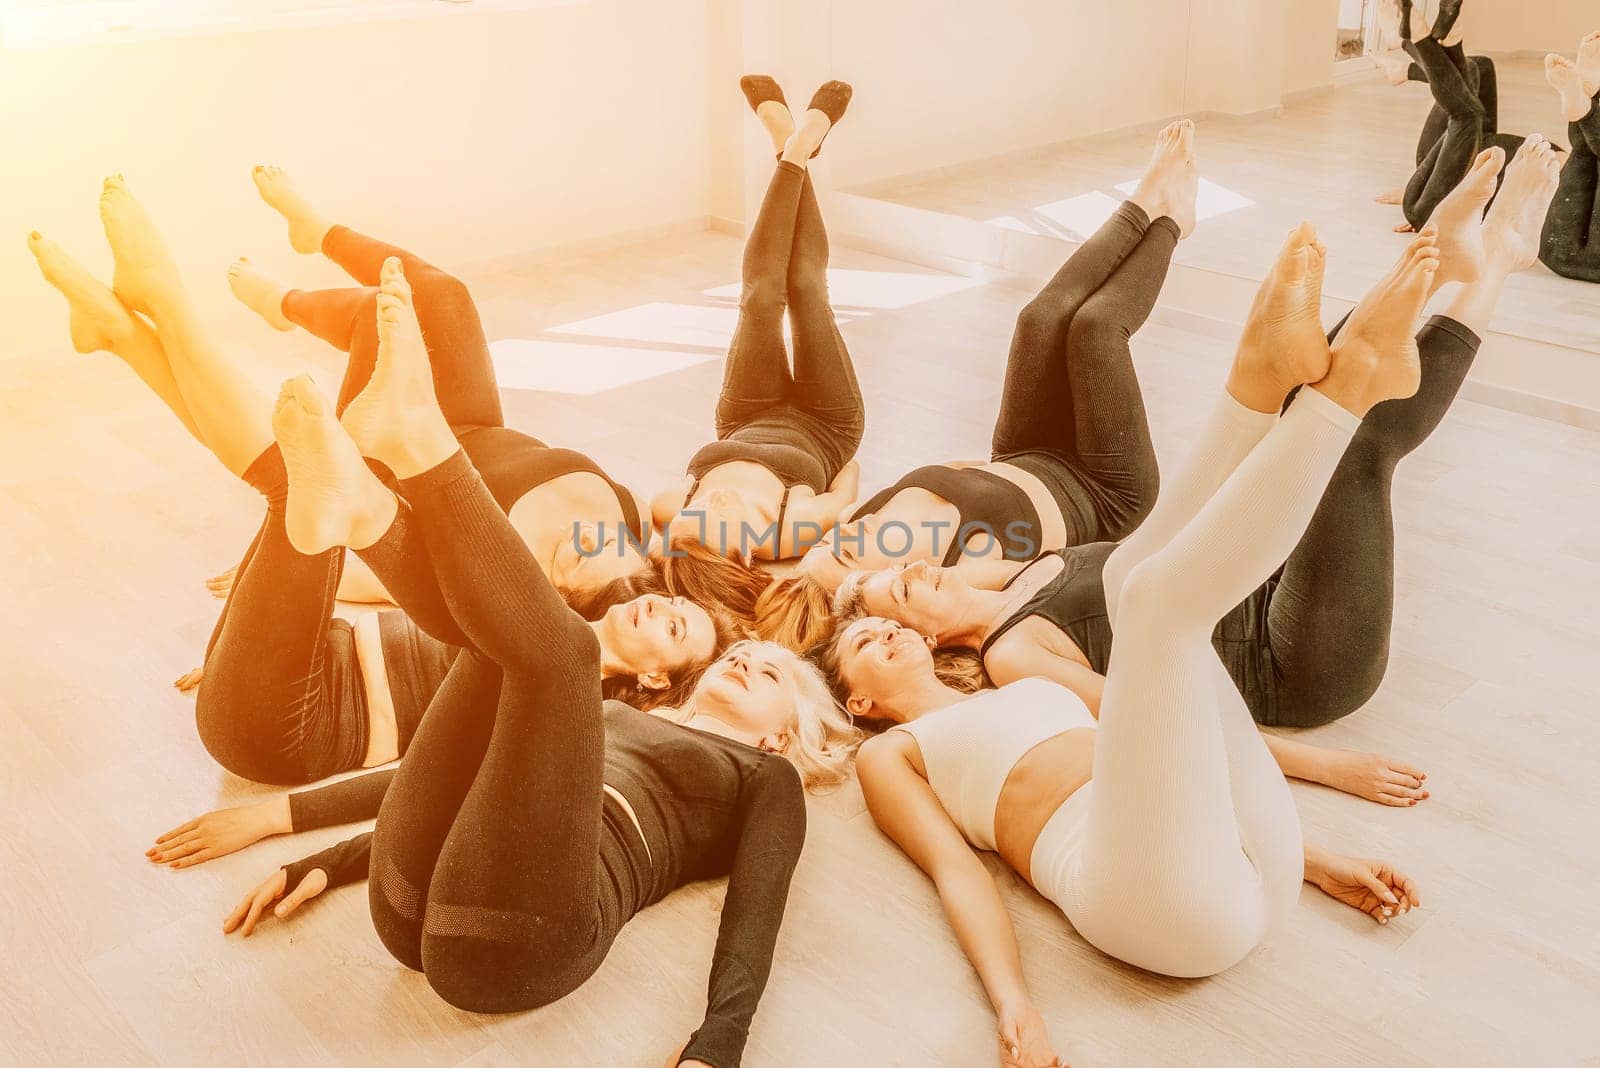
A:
[490,855]
[1322,623]
[817,407]
[1570,243]
[347,319]
[1071,394]
[281,700]
[1463,123]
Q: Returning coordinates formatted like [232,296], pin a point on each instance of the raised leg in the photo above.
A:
[1451,157]
[99,322]
[756,377]
[824,383]
[281,700]
[230,413]
[1111,449]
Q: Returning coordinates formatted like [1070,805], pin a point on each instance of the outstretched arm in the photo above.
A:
[228,830]
[905,808]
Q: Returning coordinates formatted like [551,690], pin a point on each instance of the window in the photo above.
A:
[45,23]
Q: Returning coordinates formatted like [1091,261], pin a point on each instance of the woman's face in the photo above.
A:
[853,547]
[658,636]
[919,595]
[592,555]
[717,519]
[879,658]
[752,688]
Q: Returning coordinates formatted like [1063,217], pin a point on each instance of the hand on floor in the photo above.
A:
[221,585]
[216,834]
[256,901]
[1370,886]
[1024,1041]
[189,681]
[1375,777]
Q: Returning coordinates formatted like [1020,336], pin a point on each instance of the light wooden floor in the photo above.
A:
[1323,158]
[110,517]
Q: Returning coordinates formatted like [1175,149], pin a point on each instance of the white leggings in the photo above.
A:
[1191,849]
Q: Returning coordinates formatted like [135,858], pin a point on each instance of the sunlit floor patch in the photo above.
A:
[1214,199]
[1075,217]
[700,325]
[582,369]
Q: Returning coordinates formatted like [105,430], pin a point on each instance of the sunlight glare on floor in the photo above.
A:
[880,290]
[1214,199]
[582,369]
[1075,217]
[661,323]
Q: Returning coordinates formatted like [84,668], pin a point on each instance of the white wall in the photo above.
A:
[943,82]
[471,136]
[1523,26]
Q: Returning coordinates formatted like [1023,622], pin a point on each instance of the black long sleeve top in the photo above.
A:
[707,807]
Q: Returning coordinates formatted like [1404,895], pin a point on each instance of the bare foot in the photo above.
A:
[1283,344]
[1171,183]
[395,419]
[807,137]
[1563,76]
[1459,218]
[334,498]
[1395,65]
[1375,356]
[778,121]
[1511,230]
[307,227]
[1405,228]
[259,291]
[1589,63]
[142,271]
[98,321]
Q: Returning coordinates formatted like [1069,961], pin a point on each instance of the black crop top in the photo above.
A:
[707,807]
[513,463]
[985,502]
[1074,601]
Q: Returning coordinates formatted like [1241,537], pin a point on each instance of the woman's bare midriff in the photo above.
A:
[383,732]
[554,505]
[1035,788]
[933,520]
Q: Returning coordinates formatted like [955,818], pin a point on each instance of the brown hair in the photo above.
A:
[796,612]
[693,571]
[628,689]
[959,669]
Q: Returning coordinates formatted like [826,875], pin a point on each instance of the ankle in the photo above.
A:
[1254,392]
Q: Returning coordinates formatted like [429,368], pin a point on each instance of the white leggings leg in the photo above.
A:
[1192,848]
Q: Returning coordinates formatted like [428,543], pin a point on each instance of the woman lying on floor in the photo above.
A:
[517,755]
[1570,245]
[782,463]
[1164,831]
[290,694]
[1311,644]
[589,533]
[1072,460]
[1465,116]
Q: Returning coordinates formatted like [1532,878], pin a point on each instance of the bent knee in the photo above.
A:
[477,975]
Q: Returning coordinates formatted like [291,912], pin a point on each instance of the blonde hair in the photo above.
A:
[822,738]
[960,669]
[795,612]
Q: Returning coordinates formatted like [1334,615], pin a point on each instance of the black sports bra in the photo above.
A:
[783,502]
[1074,602]
[985,502]
[513,464]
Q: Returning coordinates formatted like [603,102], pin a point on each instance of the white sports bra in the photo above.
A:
[970,747]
